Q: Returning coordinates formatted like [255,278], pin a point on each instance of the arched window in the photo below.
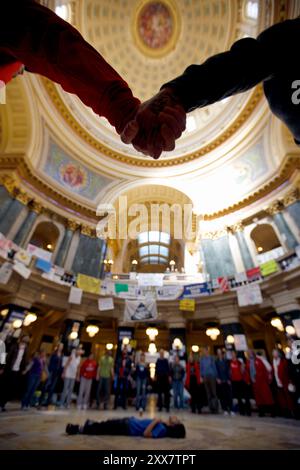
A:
[154,248]
[251,9]
[45,236]
[265,238]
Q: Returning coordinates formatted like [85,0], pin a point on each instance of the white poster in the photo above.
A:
[75,295]
[21,269]
[296,324]
[168,292]
[249,295]
[240,343]
[106,304]
[23,256]
[39,252]
[107,287]
[241,277]
[5,273]
[151,279]
[140,310]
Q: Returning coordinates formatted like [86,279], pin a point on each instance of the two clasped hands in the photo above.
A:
[157,124]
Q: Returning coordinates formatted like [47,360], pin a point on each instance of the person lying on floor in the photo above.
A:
[154,428]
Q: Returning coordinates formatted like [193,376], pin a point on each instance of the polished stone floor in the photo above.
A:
[46,430]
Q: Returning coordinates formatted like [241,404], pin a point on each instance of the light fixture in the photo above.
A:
[73,335]
[290,330]
[30,318]
[260,249]
[230,339]
[111,262]
[125,341]
[287,350]
[152,348]
[109,346]
[172,264]
[195,348]
[17,323]
[4,312]
[152,333]
[49,246]
[62,11]
[213,333]
[152,366]
[177,343]
[92,330]
[134,262]
[277,323]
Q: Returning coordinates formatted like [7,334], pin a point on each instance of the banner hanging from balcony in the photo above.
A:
[5,272]
[191,291]
[88,283]
[253,274]
[269,267]
[75,296]
[106,304]
[249,295]
[151,279]
[187,305]
[140,310]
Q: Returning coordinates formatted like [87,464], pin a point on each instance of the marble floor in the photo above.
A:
[36,429]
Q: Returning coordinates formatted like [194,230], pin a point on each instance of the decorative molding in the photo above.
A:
[88,231]
[291,197]
[72,225]
[37,207]
[23,197]
[237,227]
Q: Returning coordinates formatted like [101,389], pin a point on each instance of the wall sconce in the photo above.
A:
[92,330]
[195,348]
[73,335]
[134,264]
[17,324]
[177,344]
[125,341]
[213,333]
[152,348]
[290,330]
[172,264]
[109,346]
[4,312]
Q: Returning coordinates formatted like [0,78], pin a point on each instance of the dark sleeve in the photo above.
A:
[50,46]
[248,62]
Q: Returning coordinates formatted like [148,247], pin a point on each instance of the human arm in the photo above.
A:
[50,46]
[150,427]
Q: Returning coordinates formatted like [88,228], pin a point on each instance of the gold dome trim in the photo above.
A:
[100,147]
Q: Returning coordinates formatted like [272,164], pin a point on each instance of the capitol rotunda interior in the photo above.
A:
[205,239]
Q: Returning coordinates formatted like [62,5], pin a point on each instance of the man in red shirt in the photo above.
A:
[33,36]
[239,384]
[88,371]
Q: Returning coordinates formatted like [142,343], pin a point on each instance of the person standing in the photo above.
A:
[238,381]
[88,372]
[11,374]
[69,376]
[162,376]
[105,375]
[192,383]
[141,376]
[123,370]
[223,383]
[209,375]
[261,377]
[54,372]
[177,375]
[281,384]
[35,370]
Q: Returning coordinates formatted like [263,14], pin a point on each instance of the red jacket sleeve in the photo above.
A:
[48,45]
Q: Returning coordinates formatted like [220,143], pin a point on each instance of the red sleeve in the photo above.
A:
[50,46]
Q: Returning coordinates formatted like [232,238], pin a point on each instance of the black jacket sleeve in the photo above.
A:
[248,62]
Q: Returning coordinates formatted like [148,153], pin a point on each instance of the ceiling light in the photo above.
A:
[290,330]
[73,335]
[125,341]
[177,343]
[230,339]
[195,348]
[17,323]
[109,346]
[49,246]
[92,330]
[277,323]
[30,318]
[4,312]
[152,348]
[213,333]
[260,249]
[152,333]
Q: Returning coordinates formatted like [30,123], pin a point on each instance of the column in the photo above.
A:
[89,254]
[281,224]
[34,210]
[8,218]
[229,323]
[244,250]
[71,324]
[65,244]
[292,204]
[287,307]
[217,255]
[5,200]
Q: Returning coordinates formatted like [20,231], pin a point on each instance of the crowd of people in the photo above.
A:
[236,383]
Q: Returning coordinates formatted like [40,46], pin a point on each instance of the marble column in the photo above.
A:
[294,211]
[25,228]
[286,306]
[285,230]
[89,254]
[12,211]
[244,250]
[65,244]
[71,324]
[218,257]
[5,201]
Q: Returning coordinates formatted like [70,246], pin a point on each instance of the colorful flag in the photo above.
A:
[121,288]
[253,274]
[43,265]
[88,283]
[223,284]
[195,290]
